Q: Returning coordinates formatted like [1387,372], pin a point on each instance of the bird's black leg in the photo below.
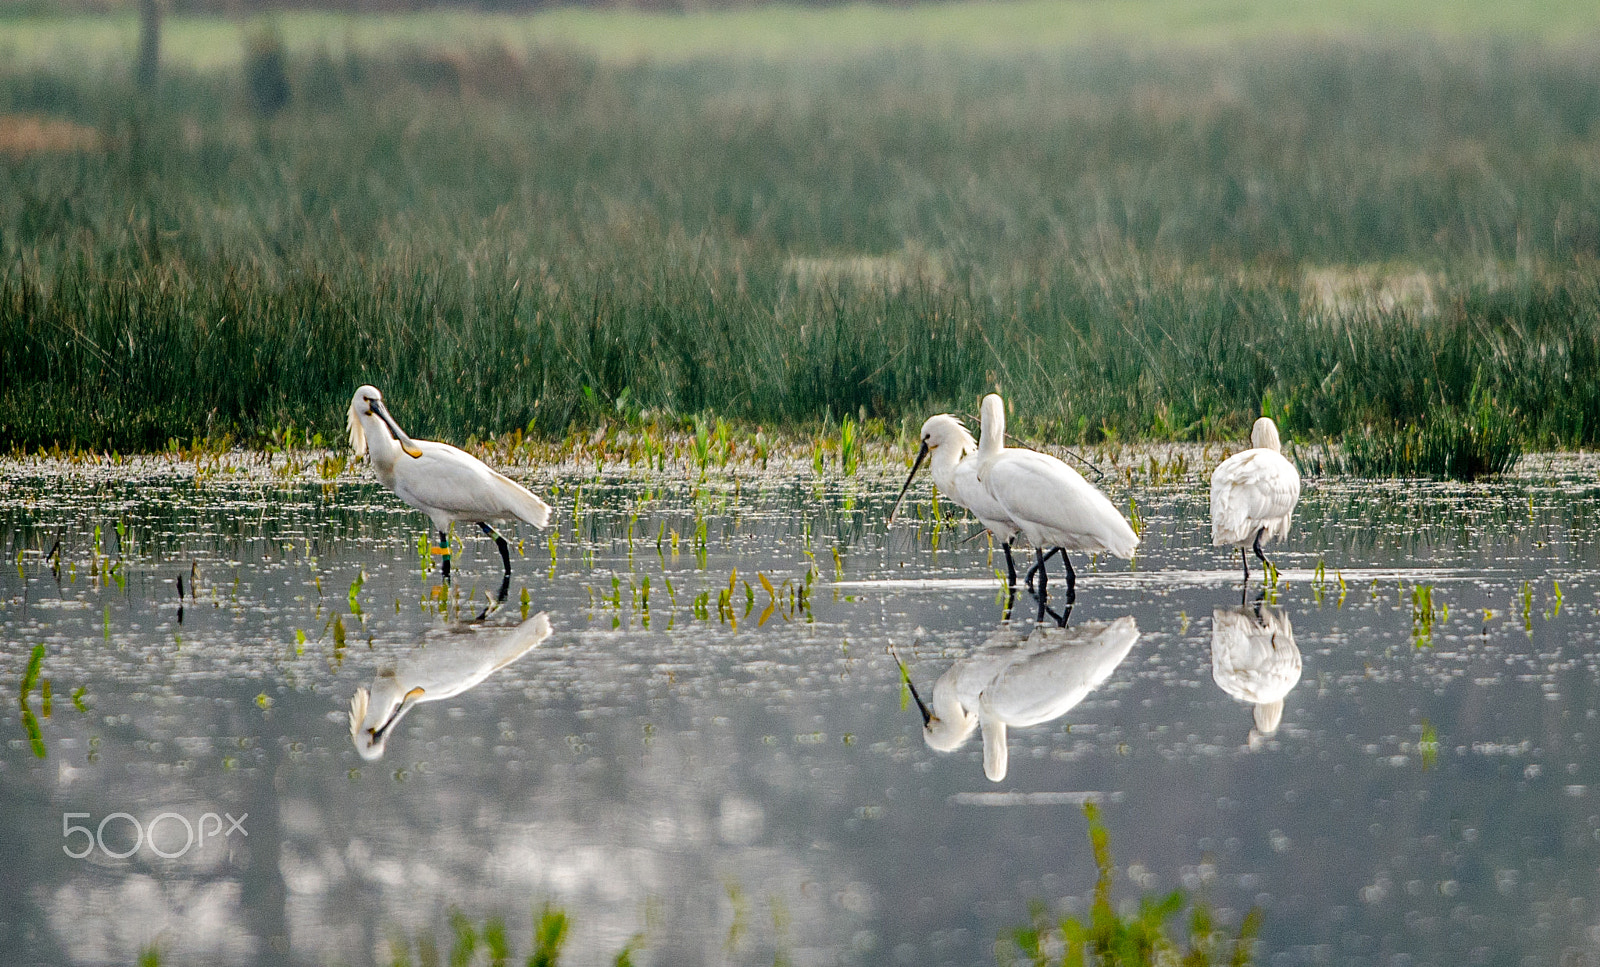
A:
[1061,619]
[1038,568]
[1011,599]
[1044,575]
[1244,559]
[505,549]
[1072,580]
[444,562]
[1268,567]
[1011,567]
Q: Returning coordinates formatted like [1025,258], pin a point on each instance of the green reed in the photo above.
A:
[1394,242]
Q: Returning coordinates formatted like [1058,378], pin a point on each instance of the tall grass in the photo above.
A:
[1452,443]
[1125,246]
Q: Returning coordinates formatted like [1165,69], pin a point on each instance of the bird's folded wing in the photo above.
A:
[1039,489]
[456,481]
[1033,486]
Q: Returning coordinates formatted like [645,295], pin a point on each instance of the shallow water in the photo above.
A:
[741,785]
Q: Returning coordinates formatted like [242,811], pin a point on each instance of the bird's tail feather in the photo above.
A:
[524,504]
[1123,544]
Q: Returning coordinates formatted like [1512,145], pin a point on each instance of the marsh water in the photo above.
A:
[716,751]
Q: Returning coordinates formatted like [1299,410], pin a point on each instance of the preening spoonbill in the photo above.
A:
[1254,659]
[1253,494]
[1050,504]
[1017,683]
[443,482]
[955,459]
[443,669]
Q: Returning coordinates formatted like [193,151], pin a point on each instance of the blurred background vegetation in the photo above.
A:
[1134,218]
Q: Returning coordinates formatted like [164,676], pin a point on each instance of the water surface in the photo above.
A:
[740,775]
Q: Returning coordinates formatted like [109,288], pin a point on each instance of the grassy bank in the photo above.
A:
[1367,238]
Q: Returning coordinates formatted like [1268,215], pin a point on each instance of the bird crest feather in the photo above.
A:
[358,436]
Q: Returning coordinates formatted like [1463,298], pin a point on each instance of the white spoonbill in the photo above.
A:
[1050,503]
[1253,494]
[1255,660]
[1009,683]
[442,669]
[954,467]
[443,482]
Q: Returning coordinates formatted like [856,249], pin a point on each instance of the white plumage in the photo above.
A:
[443,669]
[955,457]
[1010,683]
[1050,503]
[1255,660]
[1014,491]
[446,483]
[966,477]
[1253,495]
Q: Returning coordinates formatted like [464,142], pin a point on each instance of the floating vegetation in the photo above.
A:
[1142,939]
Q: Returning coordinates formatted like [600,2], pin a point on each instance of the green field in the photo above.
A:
[788,32]
[1137,220]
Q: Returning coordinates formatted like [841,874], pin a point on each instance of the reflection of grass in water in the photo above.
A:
[1428,745]
[1143,938]
[30,722]
[1425,614]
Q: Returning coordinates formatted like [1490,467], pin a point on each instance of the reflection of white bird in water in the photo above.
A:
[1253,494]
[1020,683]
[1254,659]
[444,668]
[438,479]
[954,466]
